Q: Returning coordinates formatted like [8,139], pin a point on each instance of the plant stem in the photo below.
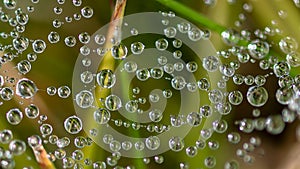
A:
[41,157]
[193,15]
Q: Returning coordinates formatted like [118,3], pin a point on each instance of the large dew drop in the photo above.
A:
[106,78]
[257,96]
[26,88]
[113,102]
[84,99]
[258,49]
[38,46]
[176,144]
[73,125]
[101,116]
[14,116]
[119,51]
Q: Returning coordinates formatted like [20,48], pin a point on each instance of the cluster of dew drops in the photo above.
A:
[257,51]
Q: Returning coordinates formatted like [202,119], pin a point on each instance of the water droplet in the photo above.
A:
[152,142]
[80,142]
[170,32]
[275,124]
[84,99]
[195,34]
[143,74]
[220,126]
[64,92]
[70,41]
[39,46]
[87,12]
[215,96]
[115,146]
[234,137]
[288,45]
[210,63]
[293,59]
[32,111]
[231,165]
[101,116]
[178,82]
[34,141]
[256,112]
[203,84]
[6,93]
[230,37]
[6,136]
[162,60]
[246,125]
[51,90]
[46,129]
[257,96]
[200,144]
[106,78]
[100,39]
[284,95]
[161,44]
[155,115]
[184,27]
[192,66]
[10,4]
[258,49]
[191,151]
[176,144]
[77,2]
[73,125]
[194,119]
[20,44]
[24,67]
[119,51]
[260,80]
[22,18]
[210,162]
[235,97]
[17,147]
[281,68]
[86,77]
[113,102]
[137,48]
[57,10]
[77,155]
[177,43]
[14,116]
[84,37]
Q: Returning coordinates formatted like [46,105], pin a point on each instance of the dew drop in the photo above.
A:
[275,124]
[119,51]
[152,142]
[84,99]
[24,67]
[32,111]
[258,49]
[17,147]
[137,48]
[113,102]
[176,144]
[106,78]
[87,12]
[73,125]
[161,44]
[101,116]
[257,96]
[210,63]
[64,92]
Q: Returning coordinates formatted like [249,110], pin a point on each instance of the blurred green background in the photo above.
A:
[55,67]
